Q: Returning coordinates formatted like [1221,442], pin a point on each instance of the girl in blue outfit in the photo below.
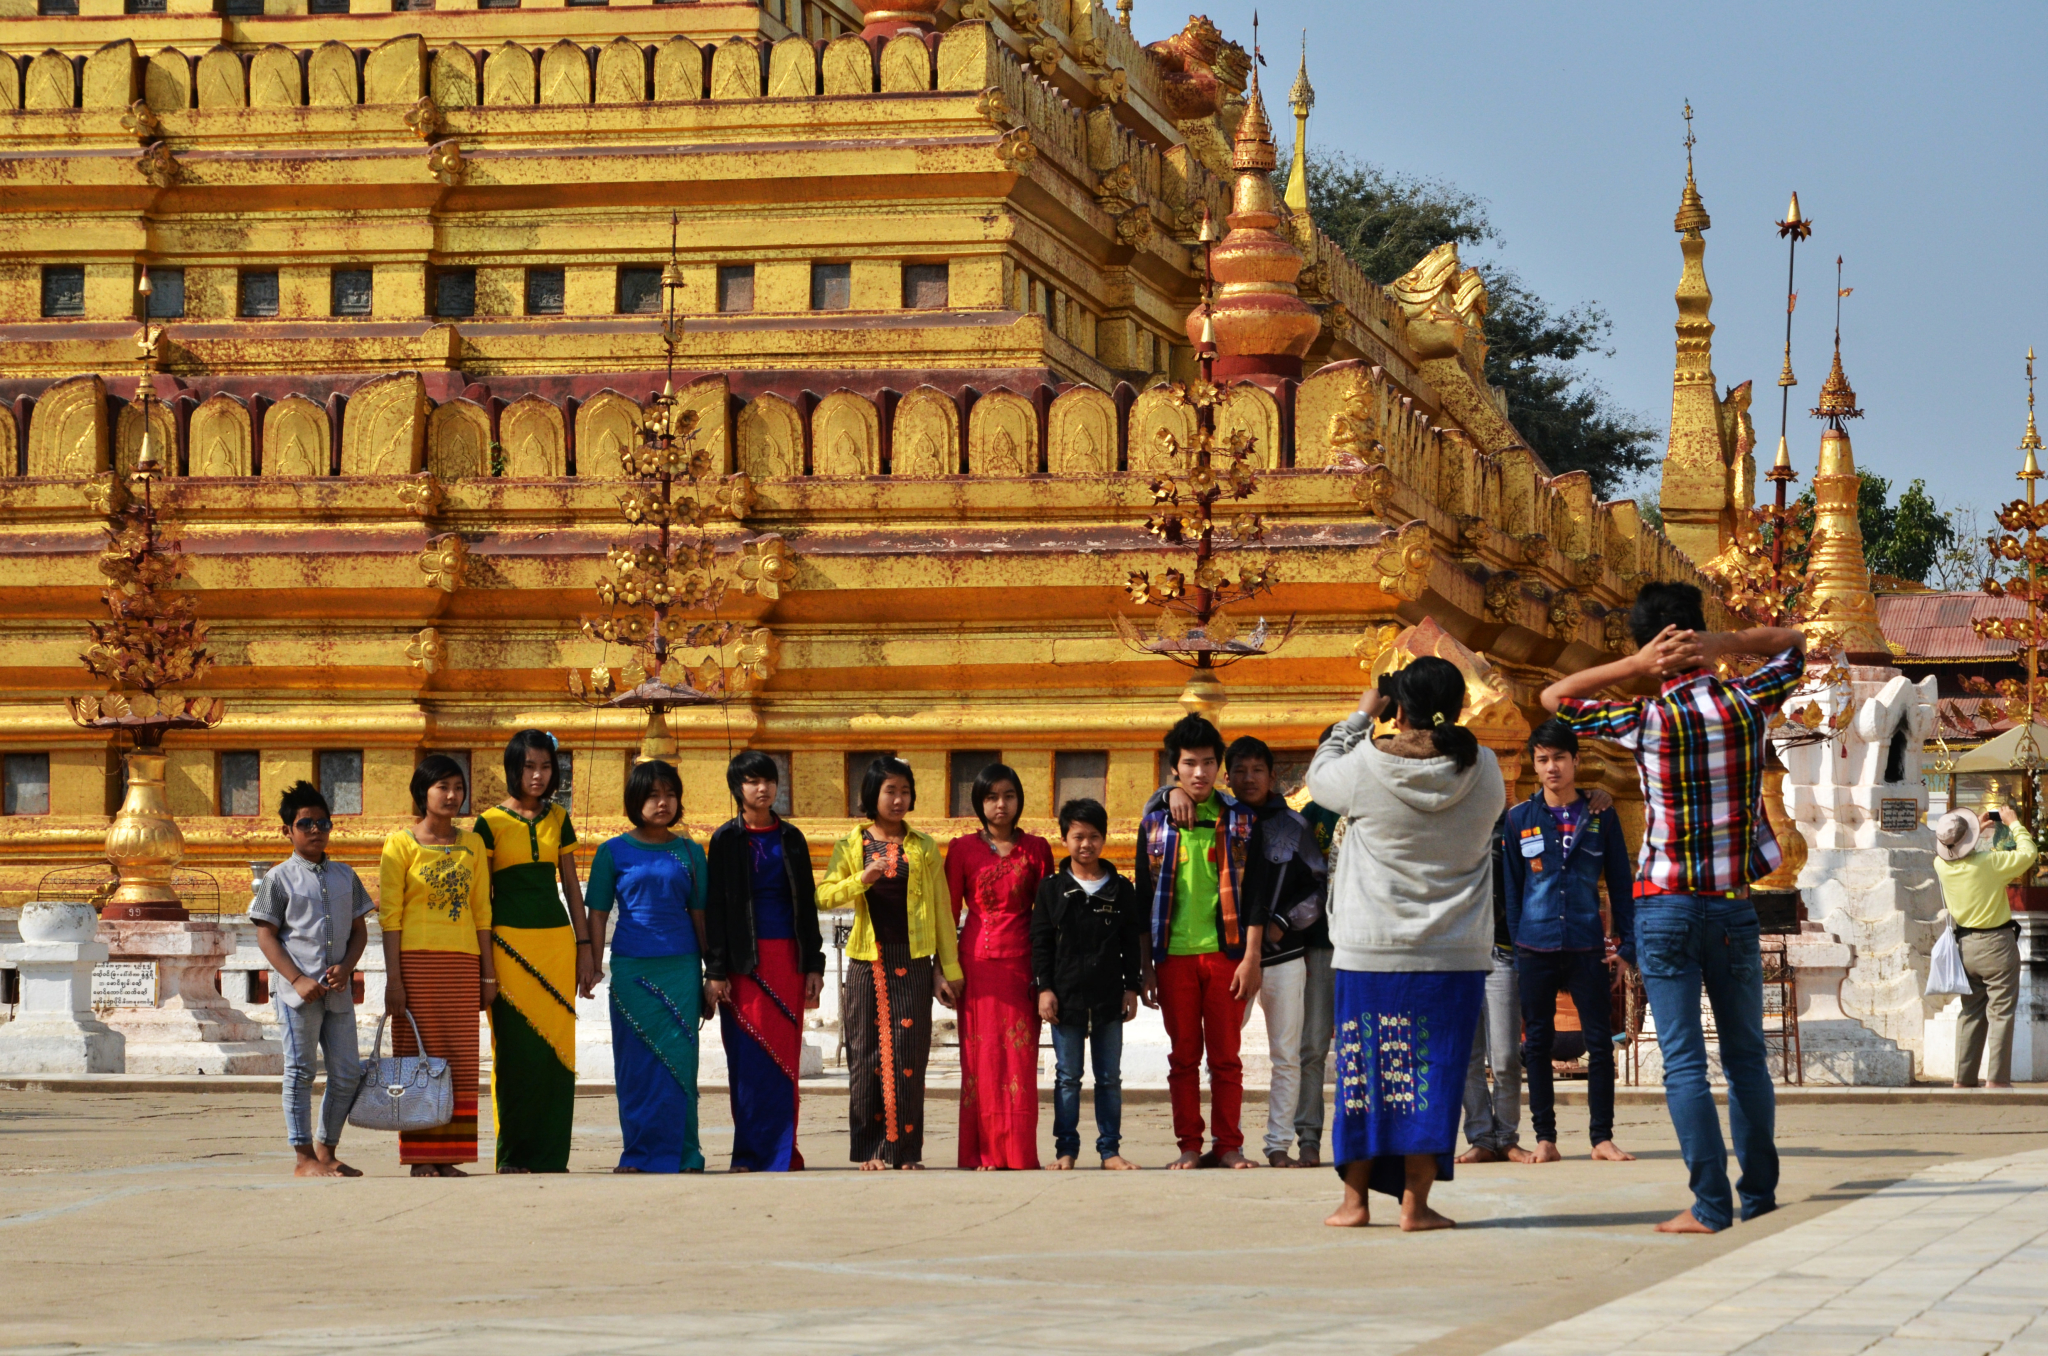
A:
[656,879]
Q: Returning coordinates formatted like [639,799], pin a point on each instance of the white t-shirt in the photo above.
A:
[1092,887]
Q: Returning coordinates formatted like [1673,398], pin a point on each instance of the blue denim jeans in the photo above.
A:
[1106,1052]
[1686,944]
[332,1035]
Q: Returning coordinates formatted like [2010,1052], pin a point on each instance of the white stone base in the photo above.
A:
[192,1029]
[55,1031]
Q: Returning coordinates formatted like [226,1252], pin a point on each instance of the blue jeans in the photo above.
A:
[1106,1052]
[306,1031]
[1686,943]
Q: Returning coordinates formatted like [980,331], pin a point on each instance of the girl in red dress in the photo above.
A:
[994,876]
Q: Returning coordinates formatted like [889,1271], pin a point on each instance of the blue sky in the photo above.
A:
[1912,133]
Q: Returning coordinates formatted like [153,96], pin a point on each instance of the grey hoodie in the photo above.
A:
[1413,886]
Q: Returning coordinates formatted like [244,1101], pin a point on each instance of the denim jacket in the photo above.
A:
[1553,900]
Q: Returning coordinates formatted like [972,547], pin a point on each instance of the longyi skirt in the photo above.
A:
[1403,1039]
[444,993]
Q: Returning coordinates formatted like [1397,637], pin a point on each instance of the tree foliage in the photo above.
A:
[1386,222]
[1906,539]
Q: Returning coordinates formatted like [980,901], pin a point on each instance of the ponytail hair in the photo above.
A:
[1430,693]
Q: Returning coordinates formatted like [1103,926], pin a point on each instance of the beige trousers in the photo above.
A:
[1992,961]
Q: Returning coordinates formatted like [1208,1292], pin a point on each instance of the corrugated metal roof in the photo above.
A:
[1936,626]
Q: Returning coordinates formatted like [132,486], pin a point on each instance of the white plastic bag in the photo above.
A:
[1945,967]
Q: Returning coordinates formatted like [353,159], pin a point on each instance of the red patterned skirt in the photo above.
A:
[998,1064]
[443,991]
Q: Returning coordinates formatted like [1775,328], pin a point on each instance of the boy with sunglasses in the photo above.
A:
[312,923]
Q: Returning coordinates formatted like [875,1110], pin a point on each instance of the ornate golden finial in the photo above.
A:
[1123,14]
[1301,98]
[1254,149]
[1837,399]
[1692,212]
[2031,443]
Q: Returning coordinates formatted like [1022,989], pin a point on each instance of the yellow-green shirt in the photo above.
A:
[435,898]
[1974,886]
[1197,887]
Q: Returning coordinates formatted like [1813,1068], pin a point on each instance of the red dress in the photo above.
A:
[999,1019]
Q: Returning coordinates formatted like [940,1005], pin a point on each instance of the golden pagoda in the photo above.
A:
[1841,609]
[933,274]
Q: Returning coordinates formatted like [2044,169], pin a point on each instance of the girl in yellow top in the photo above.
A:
[434,904]
[542,938]
[903,929]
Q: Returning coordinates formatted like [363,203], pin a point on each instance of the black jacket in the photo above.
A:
[1284,875]
[1085,947]
[729,939]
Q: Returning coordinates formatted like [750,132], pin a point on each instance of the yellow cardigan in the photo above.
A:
[929,905]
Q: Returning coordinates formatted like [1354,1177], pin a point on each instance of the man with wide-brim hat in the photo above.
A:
[1973,886]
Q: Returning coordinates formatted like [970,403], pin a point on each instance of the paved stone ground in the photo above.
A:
[155,1222]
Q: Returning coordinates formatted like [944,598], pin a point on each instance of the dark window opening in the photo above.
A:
[1895,756]
[339,775]
[326,6]
[961,770]
[455,293]
[831,287]
[64,290]
[1079,776]
[241,784]
[924,287]
[256,294]
[735,287]
[241,8]
[26,784]
[65,8]
[143,7]
[352,291]
[166,293]
[544,291]
[497,4]
[639,291]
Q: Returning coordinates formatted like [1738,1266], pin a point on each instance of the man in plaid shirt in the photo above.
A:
[1699,748]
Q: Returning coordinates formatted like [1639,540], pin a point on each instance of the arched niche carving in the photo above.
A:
[606,425]
[220,79]
[331,77]
[532,434]
[849,66]
[1155,412]
[736,70]
[710,398]
[67,433]
[1002,436]
[167,83]
[926,435]
[846,437]
[163,426]
[275,79]
[384,428]
[459,440]
[218,441]
[1336,414]
[509,76]
[678,71]
[1252,410]
[564,74]
[395,72]
[110,75]
[296,438]
[1081,434]
[52,83]
[455,84]
[621,73]
[906,66]
[771,437]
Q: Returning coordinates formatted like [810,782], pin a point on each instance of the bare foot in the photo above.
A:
[1231,1158]
[342,1169]
[309,1166]
[623,1169]
[1517,1154]
[513,1171]
[1118,1163]
[1280,1160]
[1064,1163]
[1478,1153]
[1998,1085]
[1348,1216]
[874,1165]
[737,1168]
[1190,1159]
[424,1170]
[450,1170]
[1423,1220]
[1607,1152]
[330,1166]
[1546,1152]
[1311,1156]
[910,1167]
[1684,1222]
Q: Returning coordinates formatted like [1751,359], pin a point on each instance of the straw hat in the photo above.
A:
[1955,835]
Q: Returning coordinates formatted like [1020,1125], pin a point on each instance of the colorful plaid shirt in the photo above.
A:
[1699,748]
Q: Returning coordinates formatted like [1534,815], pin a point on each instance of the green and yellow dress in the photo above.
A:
[533,1018]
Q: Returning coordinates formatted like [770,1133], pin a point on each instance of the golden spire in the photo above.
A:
[1692,213]
[1837,399]
[1699,515]
[1261,324]
[2031,443]
[1301,98]
[1840,603]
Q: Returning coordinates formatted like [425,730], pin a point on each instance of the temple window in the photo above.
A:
[831,287]
[1079,776]
[64,8]
[639,291]
[166,293]
[241,8]
[497,4]
[339,775]
[461,757]
[256,293]
[565,785]
[326,6]
[64,290]
[241,783]
[142,7]
[27,784]
[544,291]
[351,291]
[856,769]
[961,770]
[1895,756]
[455,293]
[924,287]
[735,288]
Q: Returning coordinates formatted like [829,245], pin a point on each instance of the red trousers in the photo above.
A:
[1195,1003]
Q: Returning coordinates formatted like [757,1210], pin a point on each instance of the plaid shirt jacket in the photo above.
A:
[1699,749]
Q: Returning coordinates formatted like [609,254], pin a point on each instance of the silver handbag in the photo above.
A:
[403,1092]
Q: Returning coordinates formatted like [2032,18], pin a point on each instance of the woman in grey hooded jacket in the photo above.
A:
[1411,917]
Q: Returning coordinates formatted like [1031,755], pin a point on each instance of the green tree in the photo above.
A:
[1904,540]
[1386,222]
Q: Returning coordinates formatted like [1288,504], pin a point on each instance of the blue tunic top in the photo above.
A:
[774,916]
[654,885]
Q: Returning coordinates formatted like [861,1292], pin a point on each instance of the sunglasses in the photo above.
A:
[312,825]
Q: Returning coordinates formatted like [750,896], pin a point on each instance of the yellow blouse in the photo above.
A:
[435,898]
[927,903]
